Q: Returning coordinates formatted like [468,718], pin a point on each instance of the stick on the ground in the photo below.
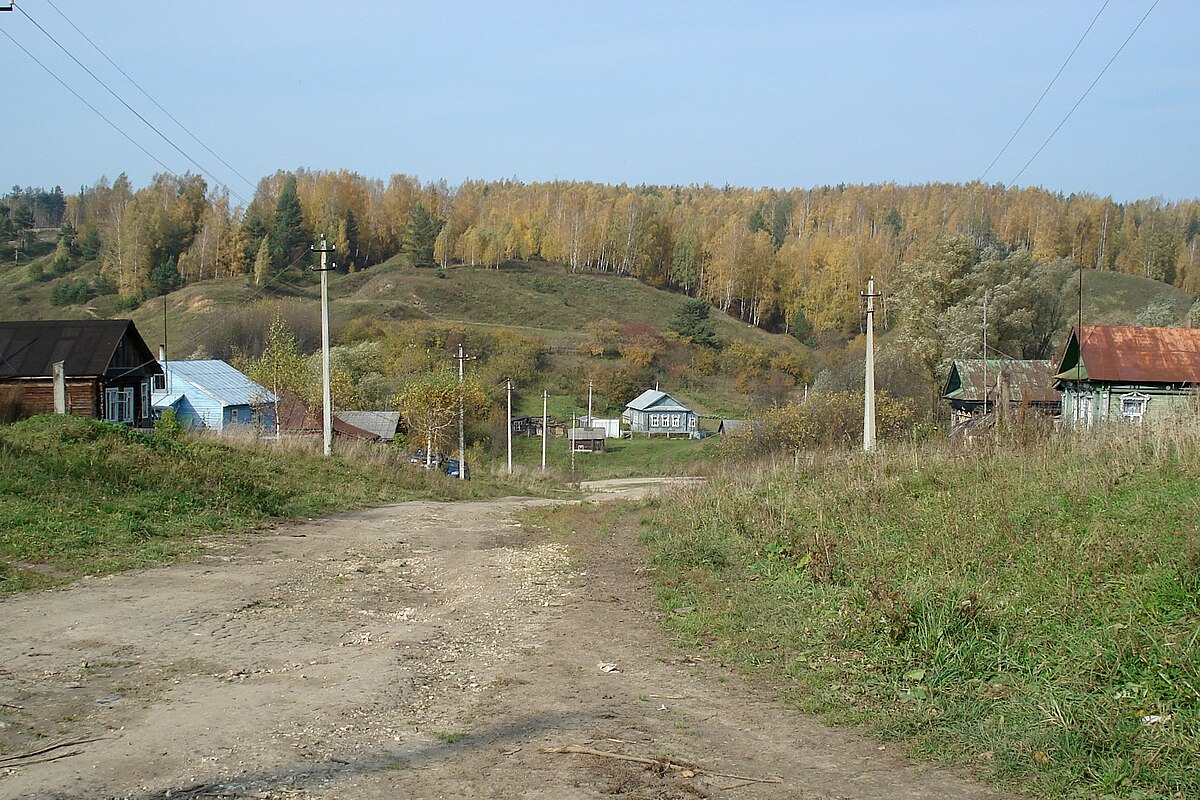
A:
[663,763]
[68,743]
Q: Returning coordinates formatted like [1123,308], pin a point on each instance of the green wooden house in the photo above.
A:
[1127,373]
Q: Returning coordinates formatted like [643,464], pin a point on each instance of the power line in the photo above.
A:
[86,103]
[131,109]
[147,95]
[1040,99]
[1085,94]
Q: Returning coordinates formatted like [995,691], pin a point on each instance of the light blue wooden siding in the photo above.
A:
[651,421]
[207,408]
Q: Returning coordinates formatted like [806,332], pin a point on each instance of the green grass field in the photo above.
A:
[1032,612]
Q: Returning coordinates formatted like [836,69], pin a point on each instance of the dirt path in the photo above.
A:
[422,650]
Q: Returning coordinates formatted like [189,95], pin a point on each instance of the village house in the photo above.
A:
[99,368]
[654,412]
[1020,385]
[213,395]
[1121,372]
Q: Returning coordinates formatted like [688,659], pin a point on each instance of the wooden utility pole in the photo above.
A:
[462,358]
[985,353]
[869,379]
[545,425]
[326,401]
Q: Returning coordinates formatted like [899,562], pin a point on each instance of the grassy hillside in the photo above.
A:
[81,497]
[1113,298]
[1033,612]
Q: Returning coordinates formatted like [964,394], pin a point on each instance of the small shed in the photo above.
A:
[611,425]
[384,424]
[730,426]
[1122,372]
[586,440]
[654,412]
[975,386]
[105,374]
[210,394]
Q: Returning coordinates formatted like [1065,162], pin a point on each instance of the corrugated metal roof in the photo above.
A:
[654,399]
[221,381]
[29,349]
[383,424]
[1030,381]
[1129,354]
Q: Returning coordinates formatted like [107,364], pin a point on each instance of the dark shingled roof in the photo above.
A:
[89,347]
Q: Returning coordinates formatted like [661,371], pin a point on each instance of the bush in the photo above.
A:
[168,424]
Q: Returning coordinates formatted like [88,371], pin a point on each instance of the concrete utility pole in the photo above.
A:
[325,250]
[869,381]
[545,420]
[591,422]
[508,382]
[462,359]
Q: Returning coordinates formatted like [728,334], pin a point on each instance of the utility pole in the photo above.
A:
[985,354]
[591,422]
[545,421]
[869,380]
[462,358]
[508,381]
[571,443]
[325,250]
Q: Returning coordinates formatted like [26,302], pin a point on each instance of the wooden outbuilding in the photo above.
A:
[1122,372]
[100,368]
[586,440]
[975,386]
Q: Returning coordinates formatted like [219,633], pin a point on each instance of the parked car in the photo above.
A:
[452,469]
[418,458]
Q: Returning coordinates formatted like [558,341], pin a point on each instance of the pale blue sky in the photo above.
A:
[749,94]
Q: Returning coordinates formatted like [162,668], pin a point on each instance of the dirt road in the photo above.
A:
[423,650]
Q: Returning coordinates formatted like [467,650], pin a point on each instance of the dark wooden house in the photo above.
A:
[975,387]
[106,368]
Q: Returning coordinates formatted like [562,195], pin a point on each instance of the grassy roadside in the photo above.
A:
[1033,612]
[81,497]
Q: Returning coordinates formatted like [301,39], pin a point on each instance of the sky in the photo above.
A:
[789,94]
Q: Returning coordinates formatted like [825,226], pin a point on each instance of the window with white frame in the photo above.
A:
[1133,406]
[118,404]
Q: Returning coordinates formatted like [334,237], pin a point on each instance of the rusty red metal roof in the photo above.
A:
[1129,354]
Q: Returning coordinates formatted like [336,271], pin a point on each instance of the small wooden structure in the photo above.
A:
[729,426]
[654,412]
[384,424]
[586,440]
[1121,372]
[105,373]
[1013,383]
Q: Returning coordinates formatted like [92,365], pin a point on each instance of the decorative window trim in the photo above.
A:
[1133,406]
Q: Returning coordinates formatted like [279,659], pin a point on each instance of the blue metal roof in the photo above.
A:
[656,400]
[219,380]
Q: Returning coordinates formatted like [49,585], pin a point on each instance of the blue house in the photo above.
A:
[212,395]
[654,412]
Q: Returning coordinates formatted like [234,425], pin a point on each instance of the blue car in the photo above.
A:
[452,469]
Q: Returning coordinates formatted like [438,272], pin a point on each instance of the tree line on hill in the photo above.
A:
[790,261]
